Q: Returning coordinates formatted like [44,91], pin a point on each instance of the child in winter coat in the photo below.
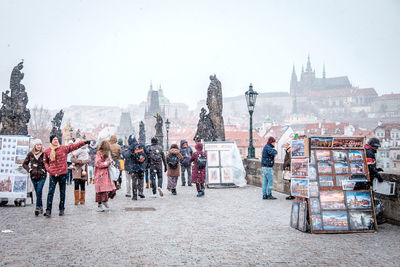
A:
[173,159]
[199,168]
[80,158]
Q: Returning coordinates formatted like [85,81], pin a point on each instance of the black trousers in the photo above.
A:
[156,170]
[79,183]
[199,186]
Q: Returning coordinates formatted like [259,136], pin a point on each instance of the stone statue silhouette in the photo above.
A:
[56,123]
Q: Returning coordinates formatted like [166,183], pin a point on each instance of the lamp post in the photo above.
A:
[251,97]
[167,123]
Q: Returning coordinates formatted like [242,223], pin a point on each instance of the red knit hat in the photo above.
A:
[271,140]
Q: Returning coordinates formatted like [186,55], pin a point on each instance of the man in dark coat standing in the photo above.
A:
[267,162]
[186,152]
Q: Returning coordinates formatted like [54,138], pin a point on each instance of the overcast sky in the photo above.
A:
[107,52]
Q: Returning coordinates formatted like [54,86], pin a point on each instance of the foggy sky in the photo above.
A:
[107,52]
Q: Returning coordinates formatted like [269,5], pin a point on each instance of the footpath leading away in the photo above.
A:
[226,227]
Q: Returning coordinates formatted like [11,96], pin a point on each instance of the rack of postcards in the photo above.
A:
[330,180]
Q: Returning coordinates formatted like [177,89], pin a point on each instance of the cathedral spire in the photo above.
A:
[151,86]
[308,69]
[323,72]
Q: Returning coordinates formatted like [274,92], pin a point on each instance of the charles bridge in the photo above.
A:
[227,227]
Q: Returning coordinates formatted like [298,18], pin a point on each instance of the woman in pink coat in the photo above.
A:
[199,168]
[102,183]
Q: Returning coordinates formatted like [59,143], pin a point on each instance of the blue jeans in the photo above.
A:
[69,174]
[268,180]
[61,179]
[38,186]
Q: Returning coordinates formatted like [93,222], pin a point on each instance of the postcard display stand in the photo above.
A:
[224,165]
[13,178]
[330,182]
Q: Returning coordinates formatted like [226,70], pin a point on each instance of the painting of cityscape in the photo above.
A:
[341,167]
[299,167]
[297,148]
[340,178]
[315,208]
[325,181]
[323,155]
[332,200]
[340,156]
[324,167]
[361,220]
[335,220]
[355,155]
[299,187]
[357,167]
[358,200]
[321,141]
[348,142]
[316,222]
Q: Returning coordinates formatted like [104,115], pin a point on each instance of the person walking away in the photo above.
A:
[34,165]
[121,162]
[135,165]
[92,155]
[173,159]
[126,155]
[55,161]
[116,155]
[80,158]
[267,162]
[104,187]
[156,158]
[186,152]
[199,159]
[146,172]
[286,164]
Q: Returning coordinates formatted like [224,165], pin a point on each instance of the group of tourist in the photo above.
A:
[87,161]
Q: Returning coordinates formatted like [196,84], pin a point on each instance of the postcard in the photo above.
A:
[341,168]
[294,218]
[348,142]
[340,178]
[324,167]
[325,181]
[339,156]
[212,158]
[314,205]
[361,220]
[335,220]
[313,189]
[316,222]
[299,187]
[331,200]
[299,167]
[297,148]
[355,155]
[358,200]
[323,155]
[213,176]
[321,141]
[227,175]
[312,172]
[357,167]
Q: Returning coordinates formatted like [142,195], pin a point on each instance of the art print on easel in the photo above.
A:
[299,167]
[297,148]
[321,142]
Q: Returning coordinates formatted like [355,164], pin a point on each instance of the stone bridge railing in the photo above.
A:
[392,203]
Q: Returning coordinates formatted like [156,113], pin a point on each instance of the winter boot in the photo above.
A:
[76,195]
[82,199]
[37,211]
[147,185]
[173,192]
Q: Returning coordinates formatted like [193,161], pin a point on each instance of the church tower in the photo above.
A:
[293,83]
[307,79]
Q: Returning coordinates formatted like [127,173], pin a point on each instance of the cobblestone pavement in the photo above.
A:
[227,227]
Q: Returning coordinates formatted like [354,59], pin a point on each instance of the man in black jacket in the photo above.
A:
[186,166]
[156,159]
[370,149]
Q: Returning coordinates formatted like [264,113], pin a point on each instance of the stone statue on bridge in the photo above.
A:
[56,123]
[142,133]
[158,126]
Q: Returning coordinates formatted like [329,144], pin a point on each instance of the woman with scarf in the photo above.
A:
[104,188]
[34,165]
[199,172]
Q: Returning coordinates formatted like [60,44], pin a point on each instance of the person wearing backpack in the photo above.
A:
[186,152]
[199,168]
[135,164]
[156,159]
[173,162]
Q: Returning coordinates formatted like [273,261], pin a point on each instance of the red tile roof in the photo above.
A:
[390,96]
[366,91]
[242,138]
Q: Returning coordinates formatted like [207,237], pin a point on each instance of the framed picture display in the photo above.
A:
[213,175]
[325,181]
[294,215]
[341,168]
[299,167]
[312,172]
[297,148]
[315,207]
[361,220]
[323,155]
[316,222]
[212,159]
[348,142]
[324,167]
[335,220]
[321,142]
[302,224]
[332,200]
[356,155]
[340,156]
[313,189]
[227,175]
[340,178]
[299,187]
[357,167]
[358,200]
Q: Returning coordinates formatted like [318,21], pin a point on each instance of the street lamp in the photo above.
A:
[167,123]
[251,97]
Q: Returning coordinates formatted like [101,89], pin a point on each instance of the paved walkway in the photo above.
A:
[227,227]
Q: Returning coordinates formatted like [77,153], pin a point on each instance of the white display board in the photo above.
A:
[224,164]
[13,178]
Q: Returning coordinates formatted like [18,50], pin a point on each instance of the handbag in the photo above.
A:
[114,172]
[286,175]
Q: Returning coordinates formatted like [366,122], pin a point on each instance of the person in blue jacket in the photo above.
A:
[267,162]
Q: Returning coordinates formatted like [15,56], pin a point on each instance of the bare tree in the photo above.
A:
[40,124]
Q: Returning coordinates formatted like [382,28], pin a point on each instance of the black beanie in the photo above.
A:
[52,137]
